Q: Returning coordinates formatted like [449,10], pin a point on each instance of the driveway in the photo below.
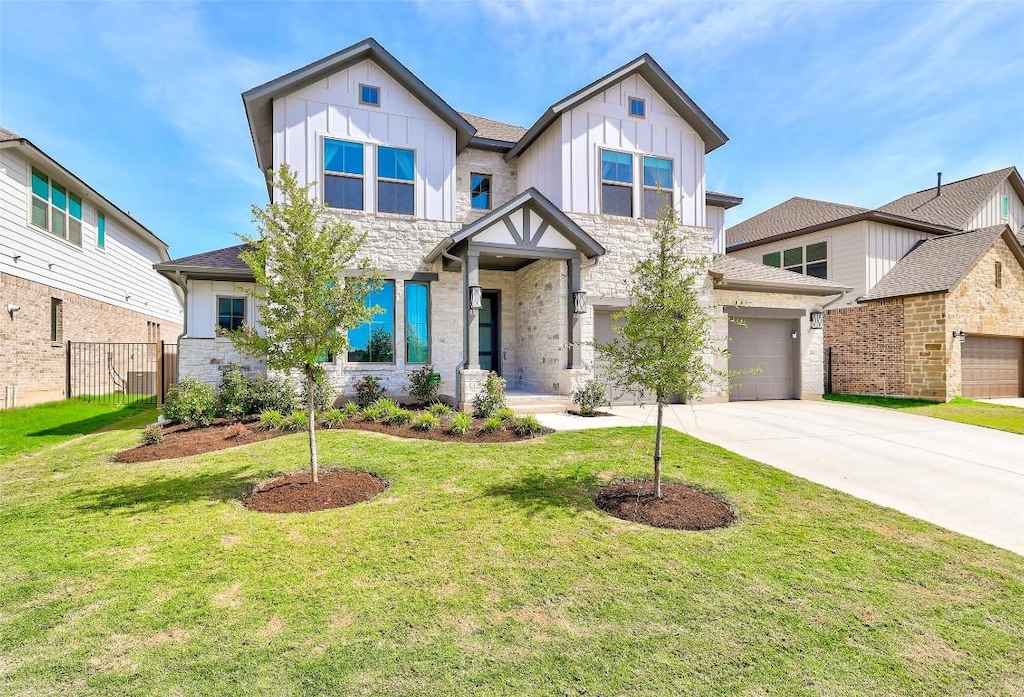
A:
[964,478]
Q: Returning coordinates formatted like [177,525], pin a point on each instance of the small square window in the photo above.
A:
[368,94]
[230,313]
[480,191]
[637,107]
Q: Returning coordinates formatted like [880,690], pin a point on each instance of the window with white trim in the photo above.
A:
[657,185]
[101,230]
[396,176]
[811,260]
[637,108]
[616,183]
[369,95]
[230,312]
[343,174]
[56,209]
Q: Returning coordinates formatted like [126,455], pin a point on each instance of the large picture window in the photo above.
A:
[616,183]
[417,323]
[343,174]
[56,209]
[811,260]
[657,185]
[230,313]
[374,342]
[396,172]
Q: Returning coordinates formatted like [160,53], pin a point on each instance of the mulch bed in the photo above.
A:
[181,441]
[681,507]
[473,436]
[591,415]
[296,493]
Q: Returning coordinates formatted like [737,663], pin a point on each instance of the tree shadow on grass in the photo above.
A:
[166,492]
[542,493]
[108,421]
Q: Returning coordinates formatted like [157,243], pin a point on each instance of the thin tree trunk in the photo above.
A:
[311,404]
[657,451]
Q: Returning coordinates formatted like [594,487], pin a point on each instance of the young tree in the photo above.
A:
[306,308]
[665,344]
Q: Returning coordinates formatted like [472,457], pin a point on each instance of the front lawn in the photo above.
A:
[28,429]
[966,411]
[482,569]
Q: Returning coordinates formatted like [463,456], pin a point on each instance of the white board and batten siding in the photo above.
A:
[887,244]
[330,108]
[202,305]
[716,221]
[565,163]
[119,274]
[991,212]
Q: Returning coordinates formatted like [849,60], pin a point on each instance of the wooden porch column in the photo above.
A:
[471,340]
[575,331]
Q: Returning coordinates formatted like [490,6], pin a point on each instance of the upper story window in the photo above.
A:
[368,94]
[480,191]
[101,230]
[637,108]
[396,172]
[811,260]
[657,185]
[616,183]
[230,313]
[56,209]
[343,174]
[374,342]
[1006,206]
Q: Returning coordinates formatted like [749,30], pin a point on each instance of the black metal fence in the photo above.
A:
[118,373]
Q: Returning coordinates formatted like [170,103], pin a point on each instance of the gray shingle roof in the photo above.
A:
[956,203]
[495,130]
[936,265]
[741,273]
[795,214]
[226,258]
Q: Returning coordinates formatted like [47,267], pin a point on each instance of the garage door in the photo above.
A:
[767,344]
[603,334]
[991,366]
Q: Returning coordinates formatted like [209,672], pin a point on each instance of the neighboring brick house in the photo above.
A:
[874,252]
[505,248]
[73,267]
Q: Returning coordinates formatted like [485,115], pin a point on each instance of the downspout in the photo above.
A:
[444,252]
[184,321]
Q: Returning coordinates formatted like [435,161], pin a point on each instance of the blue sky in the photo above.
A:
[850,102]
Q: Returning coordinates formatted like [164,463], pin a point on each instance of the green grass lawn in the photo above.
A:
[966,411]
[28,429]
[483,569]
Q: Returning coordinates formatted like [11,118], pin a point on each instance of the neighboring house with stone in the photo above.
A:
[505,249]
[73,267]
[921,267]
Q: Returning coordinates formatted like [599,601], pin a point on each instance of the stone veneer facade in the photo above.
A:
[33,368]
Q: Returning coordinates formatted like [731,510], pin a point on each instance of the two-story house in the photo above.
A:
[936,306]
[506,249]
[73,267]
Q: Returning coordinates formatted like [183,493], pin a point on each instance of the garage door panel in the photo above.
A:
[991,366]
[762,351]
[604,332]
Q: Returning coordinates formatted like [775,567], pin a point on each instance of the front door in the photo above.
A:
[490,340]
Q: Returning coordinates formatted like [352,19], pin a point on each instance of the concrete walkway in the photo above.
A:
[964,478]
[1006,401]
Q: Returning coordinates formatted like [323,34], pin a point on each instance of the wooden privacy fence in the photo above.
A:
[121,372]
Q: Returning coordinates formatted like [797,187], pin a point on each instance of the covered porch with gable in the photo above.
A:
[522,297]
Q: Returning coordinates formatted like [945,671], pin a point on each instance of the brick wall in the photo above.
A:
[867,343]
[32,364]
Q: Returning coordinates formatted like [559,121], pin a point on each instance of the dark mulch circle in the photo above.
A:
[681,507]
[475,435]
[180,441]
[296,493]
[590,415]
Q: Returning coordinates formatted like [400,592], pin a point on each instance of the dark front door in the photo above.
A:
[490,341]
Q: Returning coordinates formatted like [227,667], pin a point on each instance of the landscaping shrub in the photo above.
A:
[152,434]
[191,402]
[324,393]
[369,390]
[440,410]
[233,398]
[334,418]
[460,424]
[424,384]
[426,422]
[398,417]
[271,420]
[272,393]
[505,414]
[591,396]
[298,421]
[492,424]
[491,397]
[526,426]
[379,410]
[350,409]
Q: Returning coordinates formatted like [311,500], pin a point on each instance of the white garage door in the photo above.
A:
[767,345]
[603,334]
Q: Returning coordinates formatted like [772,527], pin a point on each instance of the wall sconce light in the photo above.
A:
[12,308]
[476,298]
[959,334]
[579,302]
[817,319]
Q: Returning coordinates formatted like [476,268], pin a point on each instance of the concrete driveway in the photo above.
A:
[964,478]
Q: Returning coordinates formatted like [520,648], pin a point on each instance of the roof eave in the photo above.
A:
[780,286]
[720,200]
[170,270]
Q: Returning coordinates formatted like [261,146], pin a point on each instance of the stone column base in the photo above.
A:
[469,385]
